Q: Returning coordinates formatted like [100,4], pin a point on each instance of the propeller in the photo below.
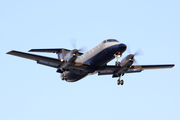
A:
[138,52]
[73,43]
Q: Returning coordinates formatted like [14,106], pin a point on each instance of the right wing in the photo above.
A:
[148,67]
[52,62]
[112,70]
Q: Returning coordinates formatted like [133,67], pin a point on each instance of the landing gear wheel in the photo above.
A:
[118,82]
[117,63]
[64,77]
[122,82]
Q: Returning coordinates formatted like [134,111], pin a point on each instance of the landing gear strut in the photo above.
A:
[119,81]
[117,56]
[63,76]
[117,63]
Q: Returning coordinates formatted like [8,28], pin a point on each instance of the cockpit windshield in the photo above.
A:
[110,40]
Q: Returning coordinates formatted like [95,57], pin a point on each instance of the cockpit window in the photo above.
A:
[112,40]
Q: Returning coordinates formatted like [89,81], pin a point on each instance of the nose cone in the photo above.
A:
[122,47]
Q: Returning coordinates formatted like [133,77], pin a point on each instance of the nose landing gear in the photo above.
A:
[118,64]
[117,56]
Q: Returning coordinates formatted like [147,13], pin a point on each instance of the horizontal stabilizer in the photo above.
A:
[54,50]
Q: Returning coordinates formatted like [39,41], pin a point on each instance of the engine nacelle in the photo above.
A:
[69,59]
[125,64]
[127,61]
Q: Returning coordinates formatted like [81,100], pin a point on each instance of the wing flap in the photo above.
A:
[35,57]
[106,73]
[109,68]
[48,64]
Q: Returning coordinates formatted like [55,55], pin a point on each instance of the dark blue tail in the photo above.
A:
[61,54]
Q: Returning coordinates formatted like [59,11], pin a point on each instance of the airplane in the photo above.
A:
[75,65]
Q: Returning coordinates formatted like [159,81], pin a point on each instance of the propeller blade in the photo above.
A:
[135,62]
[136,65]
[73,42]
[84,49]
[128,48]
[139,52]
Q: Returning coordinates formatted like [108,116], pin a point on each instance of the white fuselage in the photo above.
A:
[89,54]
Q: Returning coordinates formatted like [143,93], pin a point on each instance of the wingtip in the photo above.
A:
[30,50]
[9,52]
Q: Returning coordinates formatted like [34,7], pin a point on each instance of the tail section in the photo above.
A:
[61,54]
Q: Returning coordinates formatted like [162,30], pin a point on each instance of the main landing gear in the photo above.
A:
[63,76]
[119,81]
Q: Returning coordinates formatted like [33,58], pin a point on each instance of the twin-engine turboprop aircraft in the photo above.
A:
[74,65]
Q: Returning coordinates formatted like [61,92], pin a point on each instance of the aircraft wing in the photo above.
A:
[52,62]
[148,67]
[109,70]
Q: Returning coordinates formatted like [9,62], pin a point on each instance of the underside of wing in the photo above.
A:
[111,70]
[52,62]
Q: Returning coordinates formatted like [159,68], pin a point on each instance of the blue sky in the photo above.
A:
[31,91]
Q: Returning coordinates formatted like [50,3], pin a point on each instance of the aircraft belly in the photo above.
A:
[73,77]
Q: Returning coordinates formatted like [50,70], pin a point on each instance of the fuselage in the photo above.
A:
[98,56]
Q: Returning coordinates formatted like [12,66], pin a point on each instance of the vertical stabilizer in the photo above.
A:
[61,54]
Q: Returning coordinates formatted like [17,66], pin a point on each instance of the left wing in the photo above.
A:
[109,70]
[52,62]
[48,61]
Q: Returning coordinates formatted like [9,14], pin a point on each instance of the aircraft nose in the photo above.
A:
[122,47]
